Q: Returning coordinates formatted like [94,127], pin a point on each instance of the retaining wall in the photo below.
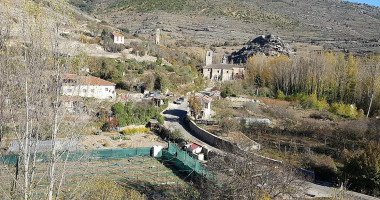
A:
[214,140]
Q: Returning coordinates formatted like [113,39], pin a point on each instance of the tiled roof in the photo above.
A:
[88,80]
[194,146]
[204,98]
[118,34]
[222,66]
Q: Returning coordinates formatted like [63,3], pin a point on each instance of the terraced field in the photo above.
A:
[137,172]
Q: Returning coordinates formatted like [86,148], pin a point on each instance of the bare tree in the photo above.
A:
[252,177]
[32,64]
[370,77]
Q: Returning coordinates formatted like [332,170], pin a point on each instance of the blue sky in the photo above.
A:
[369,2]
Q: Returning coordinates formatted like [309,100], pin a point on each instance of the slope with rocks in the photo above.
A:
[269,45]
[333,24]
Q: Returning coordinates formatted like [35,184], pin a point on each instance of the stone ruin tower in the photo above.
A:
[158,36]
[208,59]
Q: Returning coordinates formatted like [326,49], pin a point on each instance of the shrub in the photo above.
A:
[122,137]
[323,166]
[169,68]
[133,131]
[125,30]
[227,93]
[321,115]
[311,101]
[280,95]
[344,110]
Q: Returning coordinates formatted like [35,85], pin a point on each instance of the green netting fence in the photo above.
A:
[183,161]
[103,154]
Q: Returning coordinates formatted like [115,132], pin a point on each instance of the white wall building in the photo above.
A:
[118,38]
[87,86]
[194,147]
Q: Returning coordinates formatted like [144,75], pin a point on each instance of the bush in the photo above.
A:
[321,115]
[122,137]
[280,95]
[227,93]
[311,101]
[344,110]
[133,131]
[125,30]
[169,68]
[323,166]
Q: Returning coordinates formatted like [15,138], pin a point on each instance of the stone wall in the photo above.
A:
[214,140]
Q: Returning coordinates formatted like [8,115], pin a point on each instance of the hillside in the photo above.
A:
[328,23]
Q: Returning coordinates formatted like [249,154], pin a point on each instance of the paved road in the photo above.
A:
[315,190]
[174,116]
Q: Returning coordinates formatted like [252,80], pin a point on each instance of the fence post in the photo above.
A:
[184,161]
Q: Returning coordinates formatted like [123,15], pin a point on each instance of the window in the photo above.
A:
[106,89]
[92,90]
[218,71]
[69,90]
[84,90]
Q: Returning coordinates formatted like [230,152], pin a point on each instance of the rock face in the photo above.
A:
[269,45]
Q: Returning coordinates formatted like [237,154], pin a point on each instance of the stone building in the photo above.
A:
[118,38]
[222,71]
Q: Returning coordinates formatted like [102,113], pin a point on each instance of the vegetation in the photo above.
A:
[362,169]
[103,189]
[174,136]
[132,131]
[153,76]
[138,113]
[120,137]
[323,80]
[195,105]
[236,10]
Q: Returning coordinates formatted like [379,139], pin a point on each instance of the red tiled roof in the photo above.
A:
[194,146]
[118,34]
[88,80]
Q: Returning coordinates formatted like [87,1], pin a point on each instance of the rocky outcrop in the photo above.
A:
[269,45]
